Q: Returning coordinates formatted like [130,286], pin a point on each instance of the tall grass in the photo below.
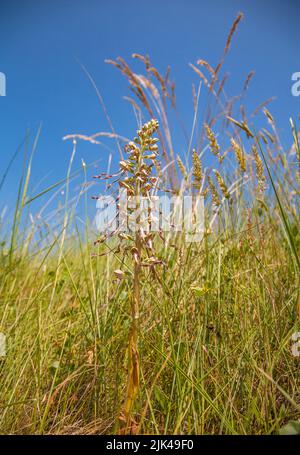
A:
[215,325]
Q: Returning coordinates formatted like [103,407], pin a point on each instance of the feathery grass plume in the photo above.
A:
[214,192]
[182,168]
[153,97]
[232,31]
[222,84]
[222,184]
[263,137]
[204,63]
[259,168]
[239,154]
[197,170]
[248,80]
[213,143]
[269,136]
[242,125]
[227,46]
[200,74]
[269,116]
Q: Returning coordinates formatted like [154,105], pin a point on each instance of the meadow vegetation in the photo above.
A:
[211,351]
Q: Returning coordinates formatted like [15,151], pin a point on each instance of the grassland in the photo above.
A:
[216,319]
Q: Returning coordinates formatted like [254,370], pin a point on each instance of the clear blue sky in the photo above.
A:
[42,41]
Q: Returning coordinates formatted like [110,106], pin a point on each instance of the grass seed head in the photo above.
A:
[259,167]
[214,192]
[222,184]
[239,154]
[213,143]
[197,170]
